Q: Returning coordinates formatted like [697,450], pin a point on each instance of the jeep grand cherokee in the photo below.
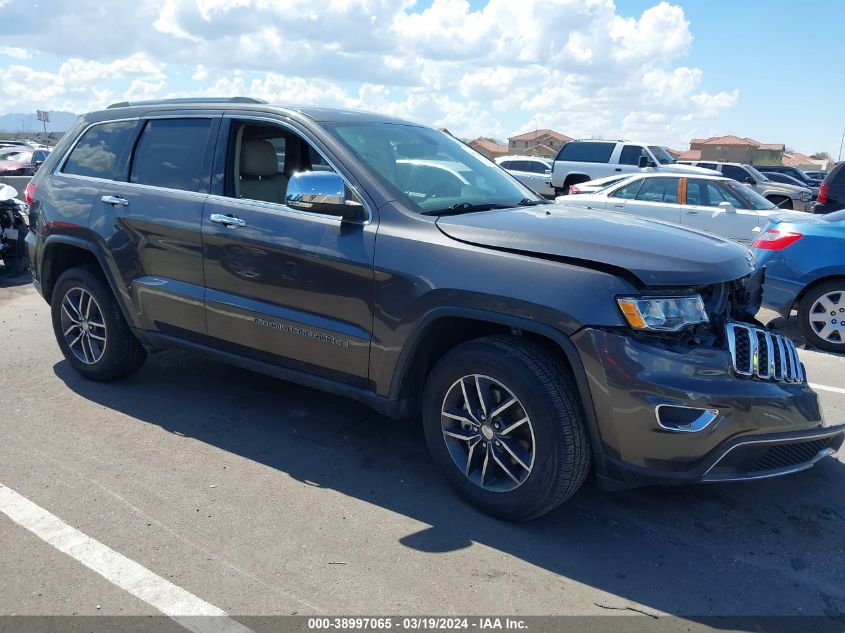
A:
[388,262]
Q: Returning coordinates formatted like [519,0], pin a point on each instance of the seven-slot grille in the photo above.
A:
[758,352]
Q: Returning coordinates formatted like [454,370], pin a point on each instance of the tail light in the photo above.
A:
[823,191]
[776,240]
[573,189]
[29,192]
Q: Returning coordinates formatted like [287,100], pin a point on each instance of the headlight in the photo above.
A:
[662,314]
[804,195]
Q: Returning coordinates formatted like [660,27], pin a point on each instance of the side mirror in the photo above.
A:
[750,181]
[322,192]
[642,163]
[548,172]
[727,207]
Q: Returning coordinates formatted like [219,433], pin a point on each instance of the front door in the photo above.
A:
[284,285]
[702,211]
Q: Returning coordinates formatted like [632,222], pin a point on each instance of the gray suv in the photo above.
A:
[386,261]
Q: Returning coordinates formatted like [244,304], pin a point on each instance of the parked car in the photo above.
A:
[714,204]
[818,175]
[832,192]
[805,271]
[13,230]
[535,345]
[18,144]
[786,179]
[581,161]
[532,171]
[779,194]
[591,186]
[21,162]
[798,174]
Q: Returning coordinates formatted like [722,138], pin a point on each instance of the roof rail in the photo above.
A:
[127,104]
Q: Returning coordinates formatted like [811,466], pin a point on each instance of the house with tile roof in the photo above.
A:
[488,148]
[546,143]
[735,149]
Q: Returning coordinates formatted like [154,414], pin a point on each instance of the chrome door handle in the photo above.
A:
[115,201]
[227,220]
[692,212]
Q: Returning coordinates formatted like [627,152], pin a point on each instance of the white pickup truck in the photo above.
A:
[580,161]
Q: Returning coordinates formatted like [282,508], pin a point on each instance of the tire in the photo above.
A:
[119,353]
[825,300]
[553,443]
[781,202]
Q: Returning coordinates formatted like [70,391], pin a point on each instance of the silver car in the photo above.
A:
[532,171]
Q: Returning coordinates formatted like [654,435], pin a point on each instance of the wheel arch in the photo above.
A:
[828,276]
[426,345]
[574,177]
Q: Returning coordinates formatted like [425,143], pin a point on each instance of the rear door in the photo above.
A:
[702,211]
[284,285]
[154,220]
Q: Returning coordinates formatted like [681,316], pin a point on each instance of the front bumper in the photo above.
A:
[802,205]
[629,378]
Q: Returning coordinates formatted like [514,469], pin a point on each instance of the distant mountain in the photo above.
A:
[59,122]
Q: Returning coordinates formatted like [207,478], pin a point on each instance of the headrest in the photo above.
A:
[258,158]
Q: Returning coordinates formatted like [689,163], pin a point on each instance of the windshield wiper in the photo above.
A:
[467,207]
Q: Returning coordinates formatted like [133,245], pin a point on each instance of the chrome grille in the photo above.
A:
[757,352]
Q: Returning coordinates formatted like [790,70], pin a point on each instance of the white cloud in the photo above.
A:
[577,65]
[13,51]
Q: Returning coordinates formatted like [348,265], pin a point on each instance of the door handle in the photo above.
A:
[115,201]
[619,206]
[227,220]
[618,169]
[692,212]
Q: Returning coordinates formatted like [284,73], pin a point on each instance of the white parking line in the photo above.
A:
[185,608]
[826,388]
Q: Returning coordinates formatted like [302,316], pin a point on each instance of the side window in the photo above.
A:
[839,176]
[659,190]
[631,155]
[262,159]
[711,193]
[629,191]
[538,168]
[734,172]
[98,152]
[171,153]
[521,165]
[712,166]
[586,152]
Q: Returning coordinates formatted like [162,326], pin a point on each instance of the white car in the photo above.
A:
[532,171]
[591,186]
[714,204]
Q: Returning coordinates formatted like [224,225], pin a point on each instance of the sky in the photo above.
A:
[660,72]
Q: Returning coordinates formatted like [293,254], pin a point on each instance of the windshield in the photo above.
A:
[756,174]
[754,199]
[430,171]
[660,153]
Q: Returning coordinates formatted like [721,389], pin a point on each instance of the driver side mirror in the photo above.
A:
[727,207]
[750,181]
[645,161]
[322,192]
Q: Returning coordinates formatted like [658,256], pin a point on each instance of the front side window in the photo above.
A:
[737,173]
[428,170]
[659,190]
[171,153]
[710,193]
[99,152]
[631,155]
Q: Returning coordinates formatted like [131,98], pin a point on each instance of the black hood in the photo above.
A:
[658,254]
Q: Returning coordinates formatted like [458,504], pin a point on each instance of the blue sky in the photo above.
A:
[655,71]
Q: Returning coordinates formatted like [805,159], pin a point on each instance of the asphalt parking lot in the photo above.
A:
[261,497]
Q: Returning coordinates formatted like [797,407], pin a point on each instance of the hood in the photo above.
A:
[657,254]
[782,186]
[688,169]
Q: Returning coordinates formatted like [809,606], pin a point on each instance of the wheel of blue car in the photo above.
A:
[503,423]
[821,314]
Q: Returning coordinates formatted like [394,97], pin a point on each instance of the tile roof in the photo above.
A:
[529,136]
[776,147]
[796,159]
[690,154]
[489,145]
[730,139]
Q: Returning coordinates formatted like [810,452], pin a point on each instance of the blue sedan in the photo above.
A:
[804,260]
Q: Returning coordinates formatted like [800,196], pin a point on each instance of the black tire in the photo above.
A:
[782,202]
[121,352]
[805,319]
[546,393]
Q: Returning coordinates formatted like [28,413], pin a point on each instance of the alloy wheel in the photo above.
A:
[83,325]
[827,317]
[488,433]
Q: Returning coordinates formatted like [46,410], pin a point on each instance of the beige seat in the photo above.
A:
[260,178]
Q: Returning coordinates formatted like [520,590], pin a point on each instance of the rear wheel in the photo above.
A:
[90,328]
[821,315]
[503,423]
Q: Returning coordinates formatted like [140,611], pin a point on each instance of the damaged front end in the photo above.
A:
[13,230]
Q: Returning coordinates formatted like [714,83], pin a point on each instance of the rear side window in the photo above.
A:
[629,191]
[171,153]
[659,190]
[98,153]
[586,152]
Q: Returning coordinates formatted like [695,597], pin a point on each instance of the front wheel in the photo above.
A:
[821,315]
[90,328]
[503,422]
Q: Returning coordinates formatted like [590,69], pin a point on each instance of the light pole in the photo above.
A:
[840,146]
